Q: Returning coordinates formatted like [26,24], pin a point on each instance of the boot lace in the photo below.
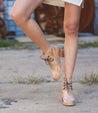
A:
[48,59]
[67,85]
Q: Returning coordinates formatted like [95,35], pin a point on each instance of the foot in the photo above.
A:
[53,57]
[67,96]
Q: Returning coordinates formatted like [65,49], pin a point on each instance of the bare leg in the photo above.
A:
[71,25]
[21,13]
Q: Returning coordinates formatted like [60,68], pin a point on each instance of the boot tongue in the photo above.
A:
[69,80]
[47,53]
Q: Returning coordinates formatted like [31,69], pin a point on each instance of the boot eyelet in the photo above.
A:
[48,56]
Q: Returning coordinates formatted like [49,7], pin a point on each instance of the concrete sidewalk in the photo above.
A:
[44,97]
[88,38]
[54,38]
[25,63]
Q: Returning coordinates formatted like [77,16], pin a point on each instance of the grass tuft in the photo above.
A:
[14,44]
[92,79]
[20,80]
[29,80]
[33,80]
[10,43]
[83,44]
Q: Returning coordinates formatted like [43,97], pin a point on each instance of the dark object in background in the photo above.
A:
[96,18]
[87,17]
[50,18]
[3,28]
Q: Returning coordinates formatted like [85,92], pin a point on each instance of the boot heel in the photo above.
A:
[61,52]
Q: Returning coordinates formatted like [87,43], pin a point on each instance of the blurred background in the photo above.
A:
[26,84]
[50,19]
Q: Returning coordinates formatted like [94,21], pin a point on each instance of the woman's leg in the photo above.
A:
[71,25]
[21,14]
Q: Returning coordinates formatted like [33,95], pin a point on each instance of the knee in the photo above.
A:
[19,17]
[71,29]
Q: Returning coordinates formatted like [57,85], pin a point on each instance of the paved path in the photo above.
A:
[44,97]
[24,63]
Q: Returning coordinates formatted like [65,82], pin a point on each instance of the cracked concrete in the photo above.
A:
[44,97]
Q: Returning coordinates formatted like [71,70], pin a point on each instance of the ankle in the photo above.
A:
[68,79]
[46,50]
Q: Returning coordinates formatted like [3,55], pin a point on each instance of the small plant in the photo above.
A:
[10,43]
[92,79]
[83,44]
[33,80]
[29,80]
[20,80]
[14,44]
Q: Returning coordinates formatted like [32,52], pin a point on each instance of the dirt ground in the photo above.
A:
[44,97]
[25,63]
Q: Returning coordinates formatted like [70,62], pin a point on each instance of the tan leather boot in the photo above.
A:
[67,96]
[53,57]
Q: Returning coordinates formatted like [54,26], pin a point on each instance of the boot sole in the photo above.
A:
[65,103]
[60,53]
[60,75]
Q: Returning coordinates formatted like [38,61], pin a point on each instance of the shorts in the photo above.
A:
[61,2]
[75,2]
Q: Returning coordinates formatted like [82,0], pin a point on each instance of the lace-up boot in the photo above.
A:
[67,96]
[52,56]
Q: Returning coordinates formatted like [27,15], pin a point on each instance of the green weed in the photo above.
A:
[10,43]
[33,80]
[92,79]
[83,44]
